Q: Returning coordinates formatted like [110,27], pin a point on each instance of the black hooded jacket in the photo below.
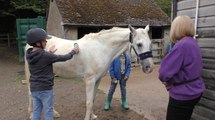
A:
[41,68]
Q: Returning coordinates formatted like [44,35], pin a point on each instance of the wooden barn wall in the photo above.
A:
[206,40]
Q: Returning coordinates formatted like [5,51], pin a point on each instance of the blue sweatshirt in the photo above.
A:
[183,63]
[41,69]
[115,68]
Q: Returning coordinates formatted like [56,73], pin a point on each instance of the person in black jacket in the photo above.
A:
[41,70]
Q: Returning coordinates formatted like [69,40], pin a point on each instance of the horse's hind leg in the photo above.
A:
[56,114]
[27,77]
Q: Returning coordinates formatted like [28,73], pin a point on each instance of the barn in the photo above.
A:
[72,19]
[203,15]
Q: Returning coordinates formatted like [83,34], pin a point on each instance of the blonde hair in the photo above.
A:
[181,26]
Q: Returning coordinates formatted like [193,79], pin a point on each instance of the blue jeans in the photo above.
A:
[42,100]
[122,88]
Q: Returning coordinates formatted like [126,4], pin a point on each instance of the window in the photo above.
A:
[157,33]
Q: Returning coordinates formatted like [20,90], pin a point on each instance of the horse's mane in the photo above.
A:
[94,36]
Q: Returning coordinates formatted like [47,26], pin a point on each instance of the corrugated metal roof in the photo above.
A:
[111,12]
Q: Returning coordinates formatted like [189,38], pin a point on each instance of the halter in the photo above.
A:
[142,56]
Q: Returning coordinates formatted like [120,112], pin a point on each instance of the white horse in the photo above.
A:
[97,51]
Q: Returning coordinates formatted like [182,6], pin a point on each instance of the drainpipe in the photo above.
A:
[174,9]
[196,17]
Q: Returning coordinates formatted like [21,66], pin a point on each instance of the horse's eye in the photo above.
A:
[139,45]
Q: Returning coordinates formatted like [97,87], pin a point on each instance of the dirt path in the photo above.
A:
[145,93]
[146,96]
[69,95]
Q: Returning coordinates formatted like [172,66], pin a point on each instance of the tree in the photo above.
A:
[23,8]
[6,8]
[10,10]
[165,6]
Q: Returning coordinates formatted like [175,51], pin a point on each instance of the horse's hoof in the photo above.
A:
[94,117]
[56,114]
[31,115]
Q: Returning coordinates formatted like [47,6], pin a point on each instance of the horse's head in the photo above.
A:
[141,44]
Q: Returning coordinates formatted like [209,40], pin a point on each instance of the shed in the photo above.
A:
[203,15]
[72,19]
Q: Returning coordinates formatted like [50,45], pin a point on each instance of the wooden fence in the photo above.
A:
[157,50]
[7,40]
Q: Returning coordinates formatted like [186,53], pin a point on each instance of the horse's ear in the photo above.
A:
[147,28]
[133,31]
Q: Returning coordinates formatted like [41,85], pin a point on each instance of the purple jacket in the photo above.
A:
[183,63]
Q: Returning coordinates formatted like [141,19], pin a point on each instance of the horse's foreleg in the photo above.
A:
[90,89]
[94,94]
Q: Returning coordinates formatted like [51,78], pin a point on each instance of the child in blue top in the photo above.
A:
[119,72]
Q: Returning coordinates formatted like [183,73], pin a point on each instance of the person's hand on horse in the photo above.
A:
[113,80]
[52,49]
[75,50]
[126,78]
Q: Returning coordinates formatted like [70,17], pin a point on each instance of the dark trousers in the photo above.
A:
[180,110]
[122,88]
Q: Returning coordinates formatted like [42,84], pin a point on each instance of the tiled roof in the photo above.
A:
[111,12]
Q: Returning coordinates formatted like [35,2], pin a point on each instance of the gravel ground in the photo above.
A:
[145,93]
[69,95]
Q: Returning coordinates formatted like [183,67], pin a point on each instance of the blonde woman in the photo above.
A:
[180,70]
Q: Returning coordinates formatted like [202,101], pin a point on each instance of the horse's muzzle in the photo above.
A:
[145,55]
[147,65]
